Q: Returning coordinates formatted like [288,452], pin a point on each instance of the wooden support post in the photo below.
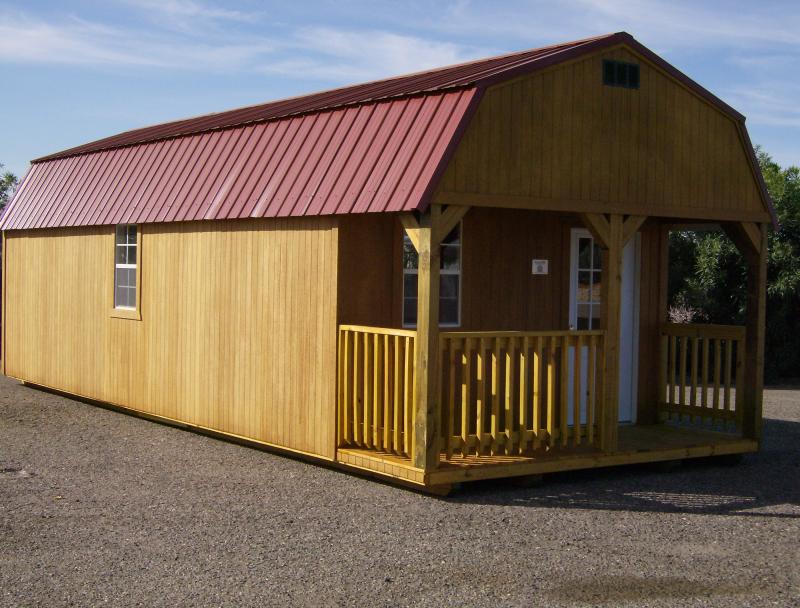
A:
[611,310]
[426,365]
[653,377]
[752,385]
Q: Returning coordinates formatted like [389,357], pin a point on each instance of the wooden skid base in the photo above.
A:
[637,444]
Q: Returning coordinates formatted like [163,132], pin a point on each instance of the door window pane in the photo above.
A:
[596,257]
[597,286]
[584,253]
[583,316]
[588,287]
[584,286]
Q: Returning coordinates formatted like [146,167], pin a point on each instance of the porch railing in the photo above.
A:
[701,366]
[376,388]
[515,392]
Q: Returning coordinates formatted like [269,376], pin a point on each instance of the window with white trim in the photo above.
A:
[449,280]
[589,287]
[125,267]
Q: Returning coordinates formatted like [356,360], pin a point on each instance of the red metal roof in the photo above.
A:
[372,147]
[371,157]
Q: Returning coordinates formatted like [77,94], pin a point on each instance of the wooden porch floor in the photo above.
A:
[637,444]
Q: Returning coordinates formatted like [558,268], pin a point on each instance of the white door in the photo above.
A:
[586,275]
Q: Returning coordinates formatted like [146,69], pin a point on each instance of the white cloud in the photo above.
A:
[693,23]
[78,42]
[768,105]
[325,53]
[189,8]
[369,54]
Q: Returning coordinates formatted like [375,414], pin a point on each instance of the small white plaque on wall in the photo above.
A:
[539,267]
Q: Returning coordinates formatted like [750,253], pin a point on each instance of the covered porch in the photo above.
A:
[434,406]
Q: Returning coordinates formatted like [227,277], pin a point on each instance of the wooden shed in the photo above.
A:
[451,275]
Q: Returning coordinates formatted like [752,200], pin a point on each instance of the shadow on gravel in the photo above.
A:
[766,484]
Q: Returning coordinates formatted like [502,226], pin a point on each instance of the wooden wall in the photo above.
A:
[498,290]
[561,140]
[370,246]
[237,331]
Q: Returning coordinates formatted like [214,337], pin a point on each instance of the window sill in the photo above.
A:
[125,313]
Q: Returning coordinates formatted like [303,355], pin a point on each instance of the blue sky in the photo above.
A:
[80,70]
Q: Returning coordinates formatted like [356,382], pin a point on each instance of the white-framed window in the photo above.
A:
[589,280]
[449,280]
[125,256]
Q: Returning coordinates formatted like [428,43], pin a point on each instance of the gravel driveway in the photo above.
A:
[101,508]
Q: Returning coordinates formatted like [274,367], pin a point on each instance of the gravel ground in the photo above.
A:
[101,508]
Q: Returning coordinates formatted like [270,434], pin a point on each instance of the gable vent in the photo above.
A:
[620,74]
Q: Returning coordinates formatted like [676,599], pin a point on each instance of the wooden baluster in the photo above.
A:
[509,394]
[451,409]
[591,362]
[601,378]
[367,420]
[346,375]
[495,415]
[704,374]
[717,370]
[466,381]
[536,413]
[480,398]
[693,376]
[693,395]
[408,396]
[564,399]
[377,375]
[577,391]
[339,387]
[396,403]
[664,386]
[357,389]
[673,358]
[740,350]
[728,370]
[523,395]
[682,373]
[387,391]
[551,385]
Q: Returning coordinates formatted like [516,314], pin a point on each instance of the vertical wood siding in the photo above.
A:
[498,291]
[561,140]
[238,329]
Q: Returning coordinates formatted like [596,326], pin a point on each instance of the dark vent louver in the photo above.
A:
[620,74]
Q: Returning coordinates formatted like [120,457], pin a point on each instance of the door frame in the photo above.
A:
[636,243]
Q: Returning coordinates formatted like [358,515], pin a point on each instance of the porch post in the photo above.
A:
[610,311]
[426,363]
[611,232]
[751,241]
[753,382]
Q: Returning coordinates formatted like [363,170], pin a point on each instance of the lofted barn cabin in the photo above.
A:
[453,275]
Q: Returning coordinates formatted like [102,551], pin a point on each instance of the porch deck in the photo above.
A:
[637,444]
[525,403]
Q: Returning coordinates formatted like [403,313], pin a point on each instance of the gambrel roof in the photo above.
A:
[375,147]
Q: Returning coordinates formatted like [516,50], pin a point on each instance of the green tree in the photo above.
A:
[708,275]
[8,183]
